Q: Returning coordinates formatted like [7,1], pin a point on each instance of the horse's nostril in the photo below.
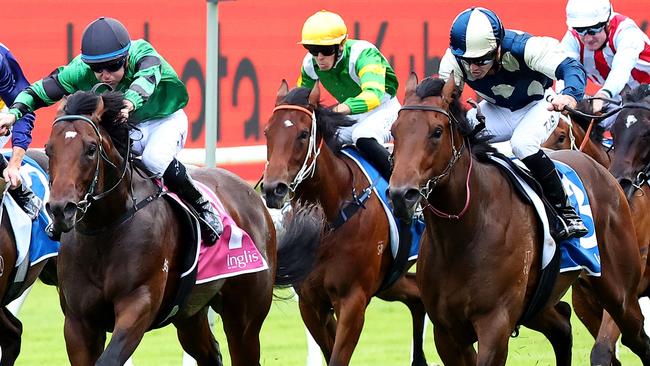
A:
[412,195]
[281,190]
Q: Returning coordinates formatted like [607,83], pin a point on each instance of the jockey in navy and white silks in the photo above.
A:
[513,72]
[615,52]
[12,82]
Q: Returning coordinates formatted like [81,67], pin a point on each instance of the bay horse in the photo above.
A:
[351,262]
[120,260]
[10,327]
[480,260]
[570,134]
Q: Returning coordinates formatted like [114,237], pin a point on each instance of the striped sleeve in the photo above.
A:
[146,78]
[308,76]
[371,74]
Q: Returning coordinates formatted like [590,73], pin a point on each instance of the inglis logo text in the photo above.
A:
[242,260]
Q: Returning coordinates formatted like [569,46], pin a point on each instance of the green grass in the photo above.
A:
[385,339]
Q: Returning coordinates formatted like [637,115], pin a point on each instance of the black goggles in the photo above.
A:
[480,61]
[314,50]
[112,66]
[593,30]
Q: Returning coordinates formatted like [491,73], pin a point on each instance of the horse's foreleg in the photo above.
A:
[83,342]
[197,340]
[133,316]
[554,323]
[10,332]
[406,291]
[604,350]
[450,352]
[350,317]
[317,320]
[493,332]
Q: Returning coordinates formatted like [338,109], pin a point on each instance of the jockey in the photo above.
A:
[513,72]
[153,94]
[359,77]
[12,82]
[613,49]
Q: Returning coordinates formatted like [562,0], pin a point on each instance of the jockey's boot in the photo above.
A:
[179,182]
[27,200]
[24,197]
[376,154]
[543,169]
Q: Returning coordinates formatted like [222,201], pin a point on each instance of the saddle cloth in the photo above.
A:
[576,253]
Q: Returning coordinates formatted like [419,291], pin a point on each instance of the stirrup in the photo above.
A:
[27,200]
[572,225]
[211,226]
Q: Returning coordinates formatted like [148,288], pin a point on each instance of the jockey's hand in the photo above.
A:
[560,101]
[12,176]
[6,121]
[598,104]
[342,108]
[128,108]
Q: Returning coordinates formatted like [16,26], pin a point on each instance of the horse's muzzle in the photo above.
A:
[404,200]
[274,193]
[63,214]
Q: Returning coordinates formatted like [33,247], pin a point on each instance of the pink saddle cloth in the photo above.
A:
[233,254]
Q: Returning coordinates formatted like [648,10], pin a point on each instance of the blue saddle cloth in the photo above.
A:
[41,246]
[380,186]
[582,252]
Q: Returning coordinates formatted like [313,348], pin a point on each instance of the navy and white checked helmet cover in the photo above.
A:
[475,33]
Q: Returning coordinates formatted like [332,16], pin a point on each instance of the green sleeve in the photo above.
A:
[148,73]
[304,80]
[371,71]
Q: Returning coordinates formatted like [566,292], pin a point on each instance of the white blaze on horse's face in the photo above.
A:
[70,134]
[631,119]
[288,123]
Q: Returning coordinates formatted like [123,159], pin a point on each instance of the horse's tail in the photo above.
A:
[299,237]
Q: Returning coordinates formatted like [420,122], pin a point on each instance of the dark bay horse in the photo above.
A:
[480,261]
[570,135]
[10,327]
[351,261]
[119,267]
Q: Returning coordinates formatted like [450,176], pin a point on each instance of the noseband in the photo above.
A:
[308,169]
[425,189]
[83,205]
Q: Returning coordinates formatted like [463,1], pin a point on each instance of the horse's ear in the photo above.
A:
[314,95]
[411,84]
[99,110]
[60,109]
[449,90]
[282,92]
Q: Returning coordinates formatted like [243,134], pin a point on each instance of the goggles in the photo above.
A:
[112,66]
[314,50]
[593,30]
[480,61]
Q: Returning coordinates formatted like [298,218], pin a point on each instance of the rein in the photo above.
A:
[426,189]
[89,198]
[308,169]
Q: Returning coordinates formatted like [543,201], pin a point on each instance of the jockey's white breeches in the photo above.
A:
[375,123]
[158,141]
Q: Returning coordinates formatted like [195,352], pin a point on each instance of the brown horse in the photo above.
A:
[480,262]
[10,327]
[120,260]
[570,135]
[352,260]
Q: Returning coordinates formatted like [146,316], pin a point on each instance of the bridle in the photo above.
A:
[308,168]
[426,189]
[89,198]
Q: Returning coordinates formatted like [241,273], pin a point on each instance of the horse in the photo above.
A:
[570,135]
[350,263]
[119,266]
[479,261]
[10,327]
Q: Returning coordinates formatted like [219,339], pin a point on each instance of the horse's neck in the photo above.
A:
[330,184]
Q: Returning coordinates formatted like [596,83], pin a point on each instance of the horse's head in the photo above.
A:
[562,138]
[631,132]
[427,140]
[78,149]
[295,134]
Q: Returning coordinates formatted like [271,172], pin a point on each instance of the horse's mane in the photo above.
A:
[85,103]
[328,122]
[432,87]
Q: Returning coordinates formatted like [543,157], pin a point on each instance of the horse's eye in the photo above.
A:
[437,132]
[303,135]
[561,139]
[91,150]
